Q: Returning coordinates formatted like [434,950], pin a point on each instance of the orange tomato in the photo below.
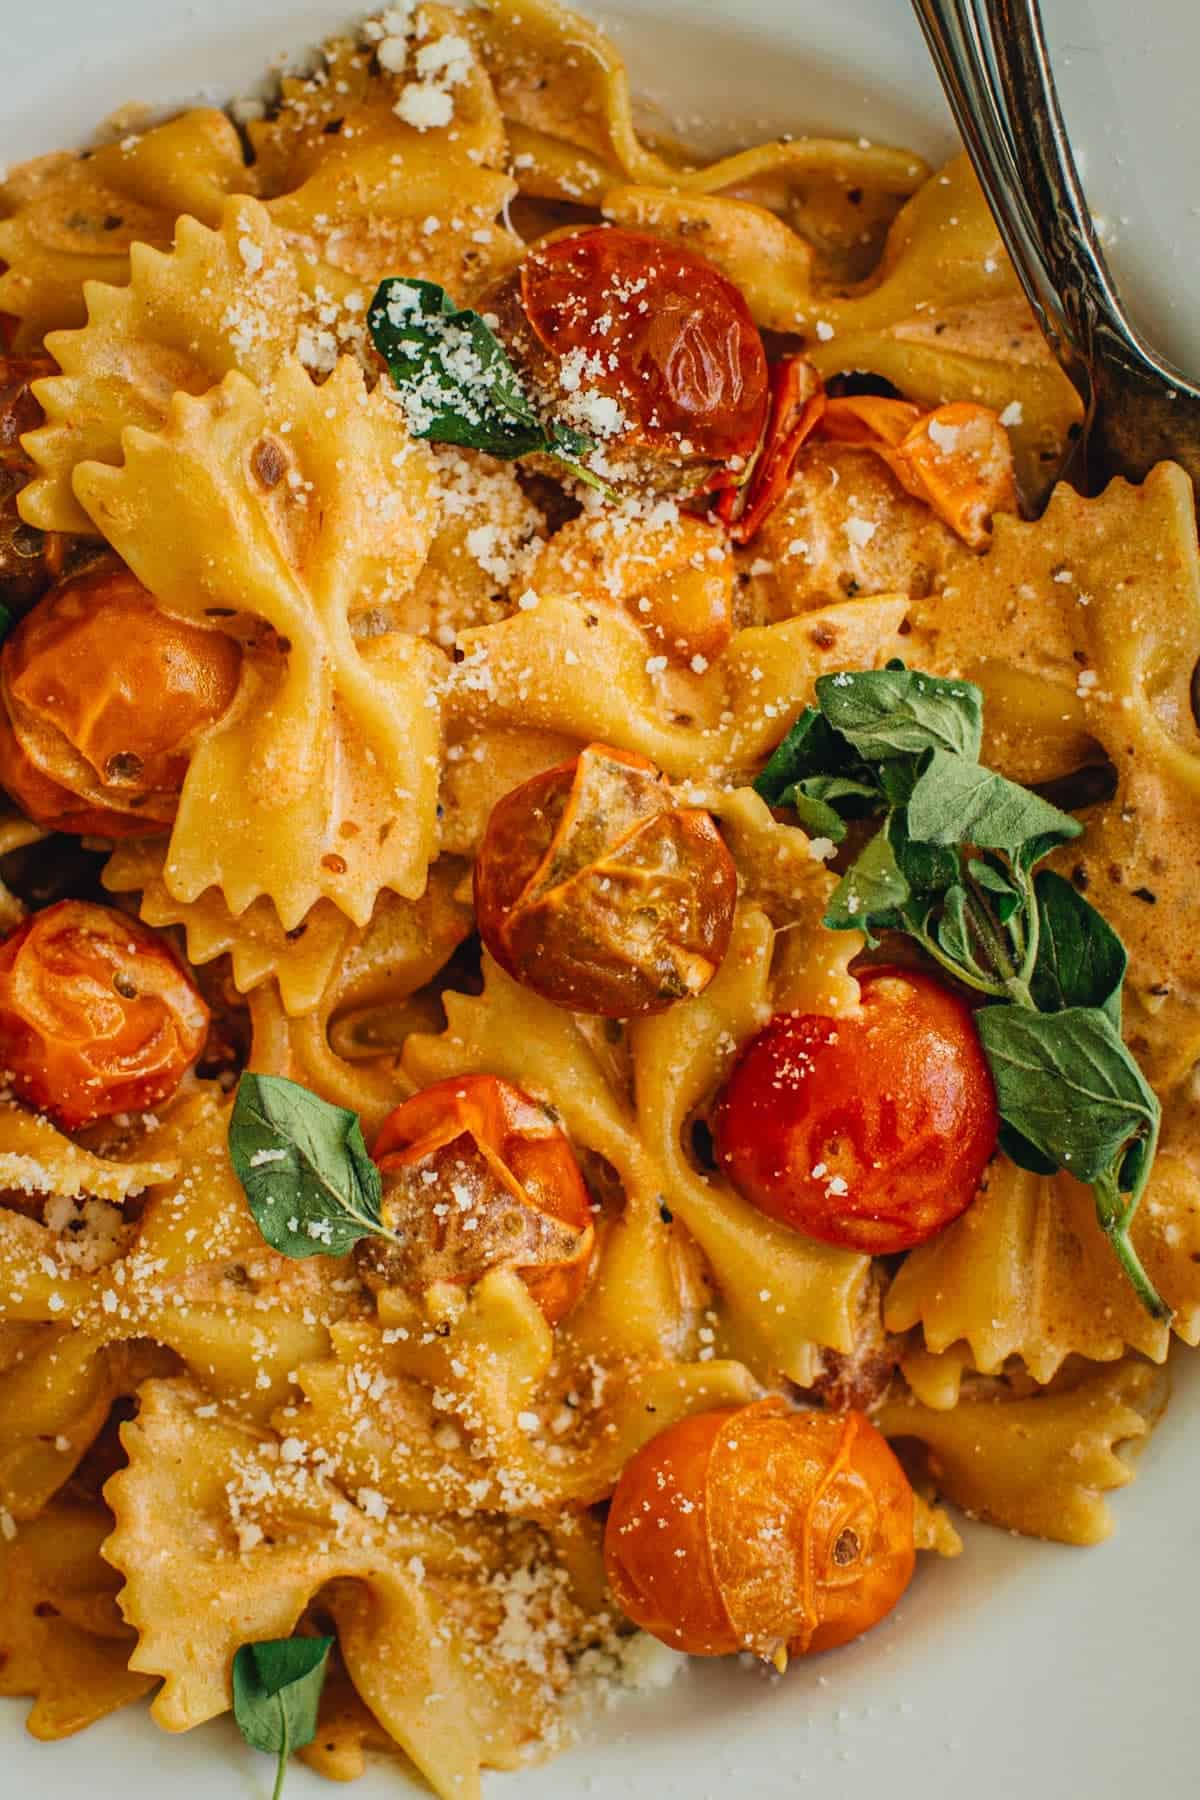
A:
[871,1130]
[957,458]
[597,891]
[477,1175]
[103,695]
[658,329]
[96,1015]
[760,1528]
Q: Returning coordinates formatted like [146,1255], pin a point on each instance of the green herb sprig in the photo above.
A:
[276,1694]
[954,865]
[456,382]
[309,1181]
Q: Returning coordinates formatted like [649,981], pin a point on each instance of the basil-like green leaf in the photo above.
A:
[1081,961]
[957,802]
[900,712]
[870,893]
[310,1183]
[1006,899]
[1018,1149]
[811,747]
[455,380]
[929,869]
[276,1694]
[1067,1083]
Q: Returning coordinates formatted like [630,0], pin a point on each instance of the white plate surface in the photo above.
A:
[1023,1671]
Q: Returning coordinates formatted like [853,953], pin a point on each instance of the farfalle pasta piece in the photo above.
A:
[216,300]
[191,1274]
[300,511]
[1027,1272]
[63,1642]
[780,1294]
[260,950]
[54,1402]
[1040,1465]
[560,668]
[347,1047]
[559,78]
[37,1158]
[245,1531]
[423,1407]
[72,218]
[1081,628]
[328,162]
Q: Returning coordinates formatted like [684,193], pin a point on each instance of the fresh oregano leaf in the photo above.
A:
[957,802]
[900,712]
[929,869]
[1018,1149]
[7,620]
[816,816]
[811,747]
[1067,1083]
[310,1183]
[822,803]
[455,381]
[1006,900]
[870,893]
[953,929]
[1081,961]
[276,1695]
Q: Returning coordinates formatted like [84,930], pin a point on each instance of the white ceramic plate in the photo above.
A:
[1022,1669]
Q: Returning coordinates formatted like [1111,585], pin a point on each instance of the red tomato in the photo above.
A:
[871,1130]
[102,695]
[477,1175]
[96,1015]
[596,890]
[759,1528]
[658,329]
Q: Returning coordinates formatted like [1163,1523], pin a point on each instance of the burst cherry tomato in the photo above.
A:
[596,890]
[102,696]
[96,1015]
[657,329]
[478,1176]
[870,1130]
[758,1528]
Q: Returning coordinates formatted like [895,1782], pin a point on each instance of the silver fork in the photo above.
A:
[993,63]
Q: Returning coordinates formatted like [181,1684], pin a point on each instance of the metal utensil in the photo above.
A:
[993,63]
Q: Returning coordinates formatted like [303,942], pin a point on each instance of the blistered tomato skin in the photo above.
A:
[871,1130]
[477,1175]
[596,890]
[101,696]
[96,1015]
[759,1528]
[656,328]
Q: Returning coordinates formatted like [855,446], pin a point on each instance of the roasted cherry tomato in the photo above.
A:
[96,1015]
[642,344]
[101,696]
[759,1528]
[870,1130]
[596,890]
[477,1175]
[29,559]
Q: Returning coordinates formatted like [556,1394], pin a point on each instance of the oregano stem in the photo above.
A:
[285,1751]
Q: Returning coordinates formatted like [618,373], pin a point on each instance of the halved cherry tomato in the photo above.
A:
[957,458]
[871,1130]
[478,1176]
[596,890]
[659,330]
[96,1015]
[759,1528]
[101,696]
